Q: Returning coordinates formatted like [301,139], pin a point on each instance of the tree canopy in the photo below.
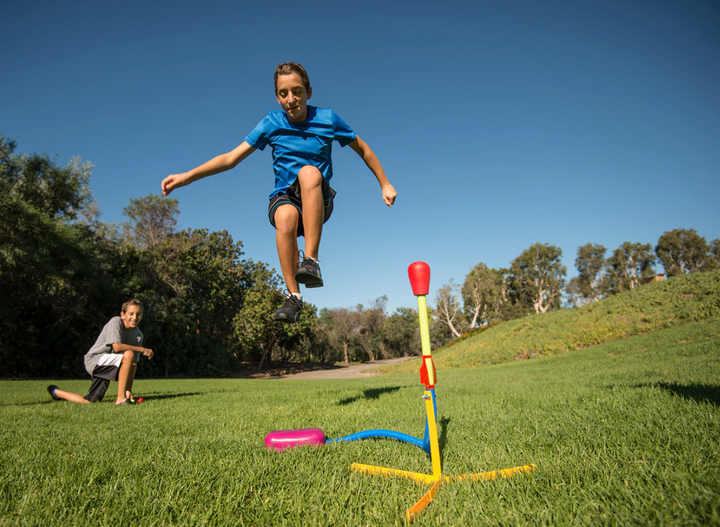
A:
[68,273]
[684,251]
[64,273]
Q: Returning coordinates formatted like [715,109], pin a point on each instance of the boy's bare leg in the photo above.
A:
[310,180]
[70,396]
[286,223]
[126,374]
[131,378]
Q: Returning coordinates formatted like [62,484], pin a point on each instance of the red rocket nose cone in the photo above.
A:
[419,273]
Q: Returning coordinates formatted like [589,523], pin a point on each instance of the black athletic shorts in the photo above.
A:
[101,377]
[292,196]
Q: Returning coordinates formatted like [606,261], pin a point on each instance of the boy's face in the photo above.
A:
[293,97]
[131,317]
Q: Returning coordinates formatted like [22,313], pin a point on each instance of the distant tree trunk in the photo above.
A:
[266,350]
[383,351]
[369,352]
[448,307]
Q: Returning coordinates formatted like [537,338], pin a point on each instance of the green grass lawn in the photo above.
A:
[621,433]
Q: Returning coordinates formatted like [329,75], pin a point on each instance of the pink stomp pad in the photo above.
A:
[282,439]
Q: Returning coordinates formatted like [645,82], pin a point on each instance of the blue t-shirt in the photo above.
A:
[295,145]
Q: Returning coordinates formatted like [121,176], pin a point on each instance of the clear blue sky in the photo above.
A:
[500,123]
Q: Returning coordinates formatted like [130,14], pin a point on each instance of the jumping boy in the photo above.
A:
[300,137]
[114,356]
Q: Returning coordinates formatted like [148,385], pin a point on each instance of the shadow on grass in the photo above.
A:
[109,399]
[171,396]
[442,433]
[697,392]
[369,393]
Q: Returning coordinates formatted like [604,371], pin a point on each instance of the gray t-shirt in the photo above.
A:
[114,331]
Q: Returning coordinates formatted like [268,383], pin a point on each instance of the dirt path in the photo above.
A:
[350,372]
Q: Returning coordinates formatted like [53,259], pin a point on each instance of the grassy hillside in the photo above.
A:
[654,306]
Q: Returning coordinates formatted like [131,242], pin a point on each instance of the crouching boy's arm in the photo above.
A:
[119,347]
[365,152]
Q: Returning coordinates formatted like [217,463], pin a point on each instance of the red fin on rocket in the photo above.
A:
[428,378]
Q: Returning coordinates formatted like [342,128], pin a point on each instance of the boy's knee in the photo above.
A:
[286,218]
[129,356]
[309,176]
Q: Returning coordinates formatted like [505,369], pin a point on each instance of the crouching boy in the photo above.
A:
[114,356]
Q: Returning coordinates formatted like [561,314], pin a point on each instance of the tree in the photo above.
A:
[196,318]
[49,263]
[592,268]
[152,220]
[67,273]
[575,297]
[482,294]
[258,334]
[448,308]
[715,250]
[149,237]
[38,184]
[401,333]
[485,295]
[340,328]
[369,329]
[629,264]
[684,251]
[218,281]
[538,277]
[509,304]
[440,333]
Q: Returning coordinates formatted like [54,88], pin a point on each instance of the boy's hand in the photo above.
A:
[172,182]
[389,194]
[148,353]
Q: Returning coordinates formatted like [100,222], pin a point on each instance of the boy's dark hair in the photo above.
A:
[132,302]
[289,68]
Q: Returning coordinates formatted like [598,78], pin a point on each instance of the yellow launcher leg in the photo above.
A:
[425,479]
[432,429]
[493,475]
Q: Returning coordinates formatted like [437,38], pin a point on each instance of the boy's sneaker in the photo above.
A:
[308,273]
[290,310]
[51,390]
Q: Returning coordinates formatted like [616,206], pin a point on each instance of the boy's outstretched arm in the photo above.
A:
[216,165]
[365,152]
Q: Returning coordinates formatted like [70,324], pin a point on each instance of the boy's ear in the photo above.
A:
[309,90]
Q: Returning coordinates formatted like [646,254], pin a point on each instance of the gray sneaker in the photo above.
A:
[290,310]
[308,273]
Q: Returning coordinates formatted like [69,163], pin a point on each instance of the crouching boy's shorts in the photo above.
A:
[106,370]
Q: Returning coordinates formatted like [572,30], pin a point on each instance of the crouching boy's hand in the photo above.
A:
[148,353]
